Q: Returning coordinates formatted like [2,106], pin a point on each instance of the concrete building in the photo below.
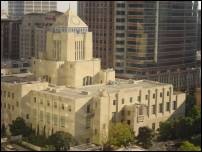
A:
[33,33]
[17,9]
[68,91]
[153,40]
[10,37]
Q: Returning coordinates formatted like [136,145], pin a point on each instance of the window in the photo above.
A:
[174,105]
[138,98]
[34,99]
[128,113]
[8,94]
[168,93]
[154,95]
[131,99]
[146,97]
[17,104]
[63,107]
[41,101]
[27,116]
[88,108]
[114,102]
[128,122]
[55,105]
[161,94]
[12,95]
[153,126]
[62,121]
[41,115]
[141,110]
[48,103]
[69,108]
[168,106]
[55,119]
[122,100]
[160,107]
[87,123]
[48,118]
[153,109]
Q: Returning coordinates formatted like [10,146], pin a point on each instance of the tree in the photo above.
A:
[61,141]
[190,102]
[187,146]
[3,130]
[120,134]
[145,137]
[49,148]
[18,127]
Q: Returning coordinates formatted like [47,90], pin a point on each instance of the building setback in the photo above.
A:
[17,9]
[10,36]
[68,91]
[153,40]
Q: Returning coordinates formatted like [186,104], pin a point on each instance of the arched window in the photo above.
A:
[87,80]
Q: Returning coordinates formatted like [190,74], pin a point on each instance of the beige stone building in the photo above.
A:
[68,91]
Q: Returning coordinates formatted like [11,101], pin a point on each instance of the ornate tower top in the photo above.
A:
[69,19]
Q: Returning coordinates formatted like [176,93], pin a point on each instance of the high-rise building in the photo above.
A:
[16,9]
[33,33]
[10,36]
[100,18]
[153,40]
[199,30]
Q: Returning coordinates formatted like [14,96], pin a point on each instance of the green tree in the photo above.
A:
[49,148]
[190,102]
[18,127]
[61,140]
[145,137]
[3,130]
[187,146]
[120,134]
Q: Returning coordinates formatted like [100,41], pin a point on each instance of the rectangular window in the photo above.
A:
[87,123]
[88,108]
[122,101]
[34,99]
[168,106]
[154,95]
[12,95]
[128,122]
[146,97]
[153,126]
[174,105]
[62,121]
[131,99]
[48,118]
[161,94]
[141,110]
[41,115]
[114,102]
[138,98]
[153,109]
[128,113]
[55,119]
[160,107]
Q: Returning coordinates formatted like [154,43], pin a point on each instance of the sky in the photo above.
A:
[62,6]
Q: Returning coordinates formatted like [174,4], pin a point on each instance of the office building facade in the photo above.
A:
[151,39]
[17,9]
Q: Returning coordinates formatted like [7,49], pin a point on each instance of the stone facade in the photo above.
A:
[68,91]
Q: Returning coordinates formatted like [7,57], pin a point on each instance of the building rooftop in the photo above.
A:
[99,89]
[19,78]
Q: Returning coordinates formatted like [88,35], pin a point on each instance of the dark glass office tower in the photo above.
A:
[154,40]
